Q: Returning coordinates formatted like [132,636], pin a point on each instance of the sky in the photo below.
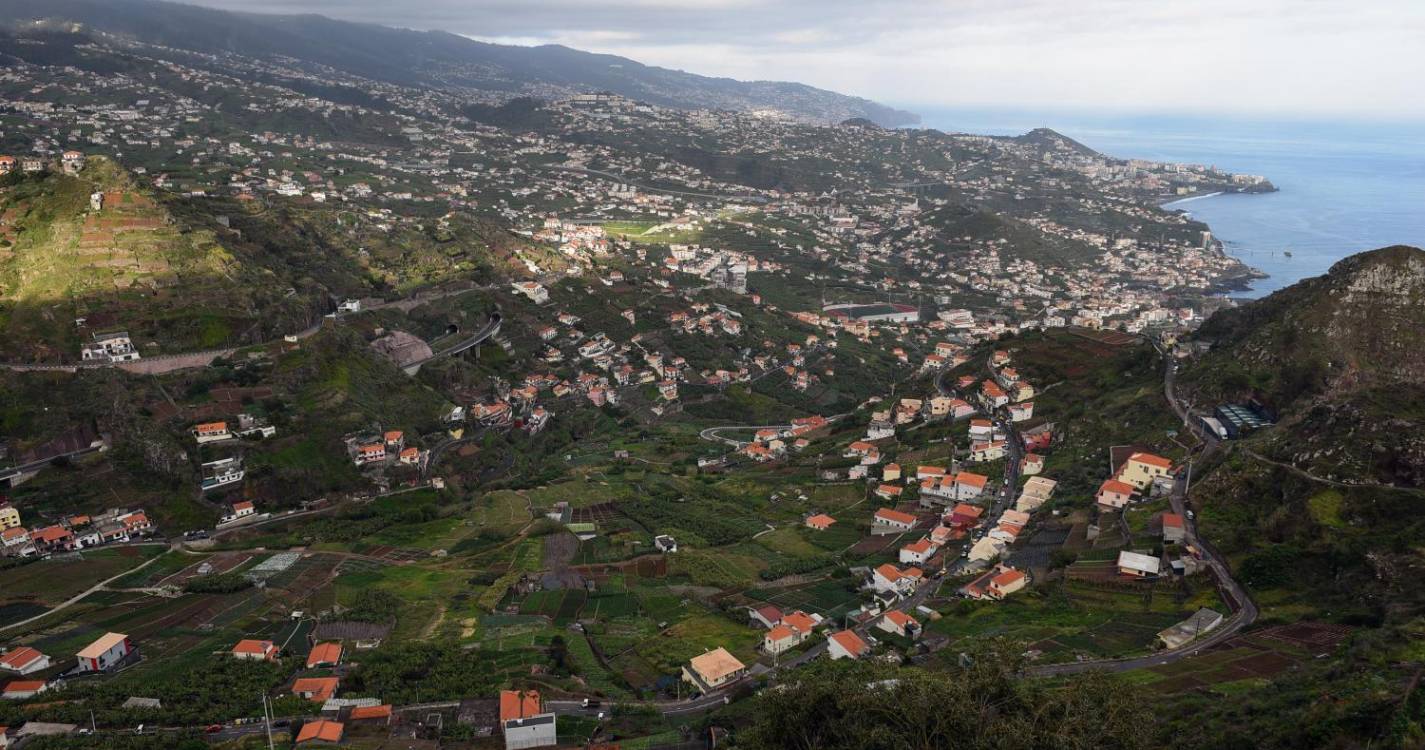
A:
[1356,59]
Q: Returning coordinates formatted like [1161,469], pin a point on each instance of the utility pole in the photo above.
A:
[267,719]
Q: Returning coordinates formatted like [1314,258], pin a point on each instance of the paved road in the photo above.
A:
[711,433]
[479,337]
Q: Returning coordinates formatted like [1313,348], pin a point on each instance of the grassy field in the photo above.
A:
[1075,618]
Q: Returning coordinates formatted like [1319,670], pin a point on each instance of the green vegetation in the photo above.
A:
[863,705]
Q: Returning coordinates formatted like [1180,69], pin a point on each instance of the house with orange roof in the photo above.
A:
[820,522]
[802,622]
[889,491]
[780,639]
[923,473]
[845,644]
[370,453]
[1113,494]
[52,537]
[1007,583]
[211,432]
[1142,468]
[712,670]
[1173,528]
[324,655]
[969,485]
[894,520]
[320,732]
[23,660]
[757,452]
[395,440]
[888,579]
[18,690]
[900,623]
[254,650]
[890,472]
[993,396]
[524,721]
[918,552]
[984,586]
[410,456]
[981,429]
[315,689]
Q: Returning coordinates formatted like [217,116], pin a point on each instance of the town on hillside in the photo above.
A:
[345,412]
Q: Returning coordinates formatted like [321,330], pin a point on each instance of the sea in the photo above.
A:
[1343,187]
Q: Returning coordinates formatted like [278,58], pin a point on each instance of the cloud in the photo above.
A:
[1299,57]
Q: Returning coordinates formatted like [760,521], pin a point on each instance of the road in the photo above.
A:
[479,337]
[711,433]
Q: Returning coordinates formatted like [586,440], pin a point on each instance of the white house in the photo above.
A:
[846,644]
[900,623]
[1137,565]
[23,660]
[104,653]
[916,553]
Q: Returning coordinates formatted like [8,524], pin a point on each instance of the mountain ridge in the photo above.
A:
[439,58]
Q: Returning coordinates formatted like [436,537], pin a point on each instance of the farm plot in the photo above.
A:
[829,599]
[559,605]
[49,582]
[218,564]
[600,680]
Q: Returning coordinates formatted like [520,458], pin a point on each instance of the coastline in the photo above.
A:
[1240,282]
[1189,199]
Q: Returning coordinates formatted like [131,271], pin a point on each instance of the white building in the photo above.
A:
[110,347]
[104,653]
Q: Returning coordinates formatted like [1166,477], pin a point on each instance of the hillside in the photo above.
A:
[96,246]
[1339,357]
[1322,510]
[440,59]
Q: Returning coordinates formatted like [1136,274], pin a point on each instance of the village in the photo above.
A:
[664,440]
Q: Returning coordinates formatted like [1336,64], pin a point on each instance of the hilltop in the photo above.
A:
[1324,505]
[439,59]
[1339,358]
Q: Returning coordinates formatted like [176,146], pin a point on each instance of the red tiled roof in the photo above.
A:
[1151,460]
[518,704]
[321,731]
[18,658]
[851,642]
[894,516]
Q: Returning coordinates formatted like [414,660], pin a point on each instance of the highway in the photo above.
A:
[473,340]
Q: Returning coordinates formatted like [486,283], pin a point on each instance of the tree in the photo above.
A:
[981,703]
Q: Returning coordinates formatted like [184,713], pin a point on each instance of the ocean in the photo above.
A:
[1343,187]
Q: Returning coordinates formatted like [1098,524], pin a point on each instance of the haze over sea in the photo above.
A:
[1344,187]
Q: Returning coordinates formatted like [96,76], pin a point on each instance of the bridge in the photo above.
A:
[470,342]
